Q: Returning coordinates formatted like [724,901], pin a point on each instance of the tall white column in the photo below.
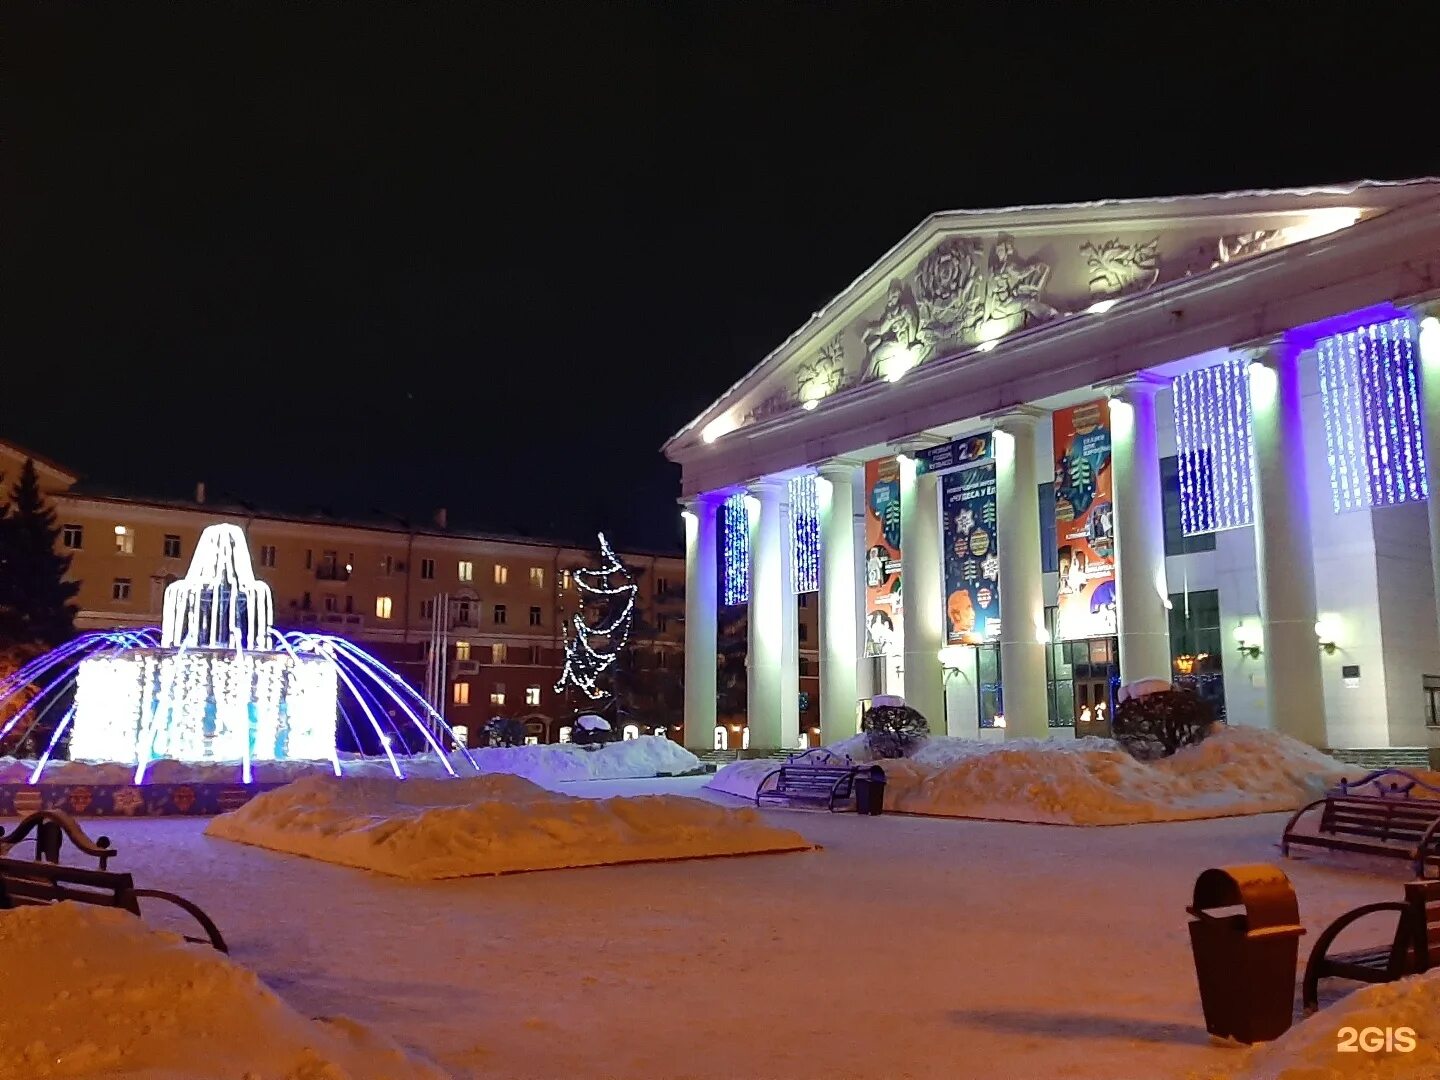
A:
[1141,593]
[1294,694]
[922,587]
[701,578]
[839,646]
[864,665]
[1022,586]
[1430,412]
[773,681]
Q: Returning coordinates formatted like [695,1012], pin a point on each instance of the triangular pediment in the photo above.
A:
[964,279]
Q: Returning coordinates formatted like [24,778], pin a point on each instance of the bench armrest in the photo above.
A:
[211,930]
[761,786]
[1330,933]
[1294,818]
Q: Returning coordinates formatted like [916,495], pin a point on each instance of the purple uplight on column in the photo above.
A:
[1212,441]
[1370,389]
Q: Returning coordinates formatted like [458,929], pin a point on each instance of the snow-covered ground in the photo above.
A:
[649,755]
[96,993]
[910,947]
[1088,781]
[497,824]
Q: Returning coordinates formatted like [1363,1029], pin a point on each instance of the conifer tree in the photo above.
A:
[35,598]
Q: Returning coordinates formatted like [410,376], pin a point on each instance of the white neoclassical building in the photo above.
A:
[1033,454]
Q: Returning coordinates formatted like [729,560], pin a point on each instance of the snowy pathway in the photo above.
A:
[908,947]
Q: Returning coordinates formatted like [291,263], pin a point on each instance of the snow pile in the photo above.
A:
[1089,781]
[1309,1051]
[498,824]
[101,995]
[649,755]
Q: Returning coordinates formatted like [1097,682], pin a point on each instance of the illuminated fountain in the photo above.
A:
[217,683]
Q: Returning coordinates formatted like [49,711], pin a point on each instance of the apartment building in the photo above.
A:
[497,605]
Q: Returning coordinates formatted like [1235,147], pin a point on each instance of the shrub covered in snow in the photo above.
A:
[591,730]
[893,730]
[505,731]
[1155,725]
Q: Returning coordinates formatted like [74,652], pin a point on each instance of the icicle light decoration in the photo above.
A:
[219,604]
[1370,387]
[735,558]
[805,541]
[1212,443]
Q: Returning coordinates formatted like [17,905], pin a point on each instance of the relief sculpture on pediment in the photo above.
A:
[1017,285]
[822,376]
[1117,268]
[1244,245]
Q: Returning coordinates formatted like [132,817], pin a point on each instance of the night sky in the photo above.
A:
[489,257]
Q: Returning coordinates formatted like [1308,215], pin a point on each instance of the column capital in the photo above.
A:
[1426,308]
[923,440]
[767,485]
[1266,350]
[700,500]
[1018,417]
[1142,383]
[838,469]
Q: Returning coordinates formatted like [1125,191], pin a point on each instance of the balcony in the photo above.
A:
[331,573]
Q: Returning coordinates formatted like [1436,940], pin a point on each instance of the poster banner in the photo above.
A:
[954,455]
[972,556]
[882,558]
[1084,522]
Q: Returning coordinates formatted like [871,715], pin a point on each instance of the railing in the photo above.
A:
[331,573]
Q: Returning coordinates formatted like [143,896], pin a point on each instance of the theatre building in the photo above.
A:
[1034,454]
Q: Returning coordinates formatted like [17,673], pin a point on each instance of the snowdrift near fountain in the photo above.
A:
[106,996]
[429,829]
[1089,781]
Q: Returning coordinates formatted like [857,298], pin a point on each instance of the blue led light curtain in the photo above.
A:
[805,534]
[1370,387]
[734,551]
[1212,443]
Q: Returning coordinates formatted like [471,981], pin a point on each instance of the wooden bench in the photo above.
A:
[50,827]
[1397,827]
[816,776]
[1415,948]
[23,882]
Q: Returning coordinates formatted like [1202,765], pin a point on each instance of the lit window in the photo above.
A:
[565,580]
[461,734]
[383,605]
[172,546]
[267,555]
[124,540]
[532,695]
[497,653]
[497,696]
[467,570]
[532,740]
[534,616]
[120,589]
[73,537]
[462,693]
[462,650]
[502,574]
[565,733]
[537,576]
[499,614]
[427,568]
[631,731]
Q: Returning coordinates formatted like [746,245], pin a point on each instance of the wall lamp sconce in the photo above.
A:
[1247,638]
[1326,633]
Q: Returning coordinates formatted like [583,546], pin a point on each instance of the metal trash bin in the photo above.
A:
[870,791]
[1245,960]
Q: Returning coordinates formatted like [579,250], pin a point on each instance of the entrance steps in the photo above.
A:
[1384,757]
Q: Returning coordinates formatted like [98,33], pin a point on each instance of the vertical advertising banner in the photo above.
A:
[972,556]
[1084,522]
[882,558]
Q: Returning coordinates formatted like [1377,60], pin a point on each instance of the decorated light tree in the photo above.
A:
[593,647]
